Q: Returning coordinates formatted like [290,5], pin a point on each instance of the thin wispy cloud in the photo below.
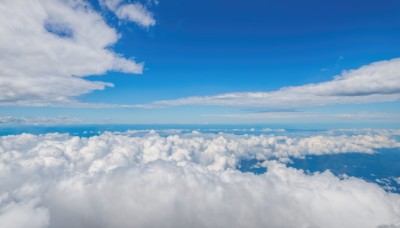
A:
[311,116]
[135,12]
[42,121]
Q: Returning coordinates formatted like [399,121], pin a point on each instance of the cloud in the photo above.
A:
[134,12]
[123,180]
[312,116]
[23,214]
[46,121]
[48,47]
[376,82]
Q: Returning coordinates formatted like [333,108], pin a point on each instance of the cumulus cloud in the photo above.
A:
[48,47]
[135,12]
[376,82]
[190,180]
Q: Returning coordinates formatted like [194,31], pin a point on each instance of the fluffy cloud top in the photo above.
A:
[49,46]
[377,82]
[122,180]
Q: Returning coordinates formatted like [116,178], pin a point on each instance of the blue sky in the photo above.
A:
[208,48]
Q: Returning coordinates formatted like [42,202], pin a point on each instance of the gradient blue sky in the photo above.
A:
[205,48]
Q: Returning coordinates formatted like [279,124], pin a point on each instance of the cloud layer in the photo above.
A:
[190,180]
[376,82]
[292,116]
[39,121]
[49,46]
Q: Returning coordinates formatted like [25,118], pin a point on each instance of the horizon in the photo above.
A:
[159,62]
[199,113]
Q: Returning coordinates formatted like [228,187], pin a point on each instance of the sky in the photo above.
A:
[200,62]
[296,80]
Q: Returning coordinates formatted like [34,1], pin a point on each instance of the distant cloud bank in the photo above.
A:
[38,121]
[376,82]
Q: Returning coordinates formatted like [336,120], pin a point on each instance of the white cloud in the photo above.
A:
[122,180]
[135,12]
[48,47]
[111,4]
[23,214]
[369,131]
[312,116]
[376,82]
[46,121]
